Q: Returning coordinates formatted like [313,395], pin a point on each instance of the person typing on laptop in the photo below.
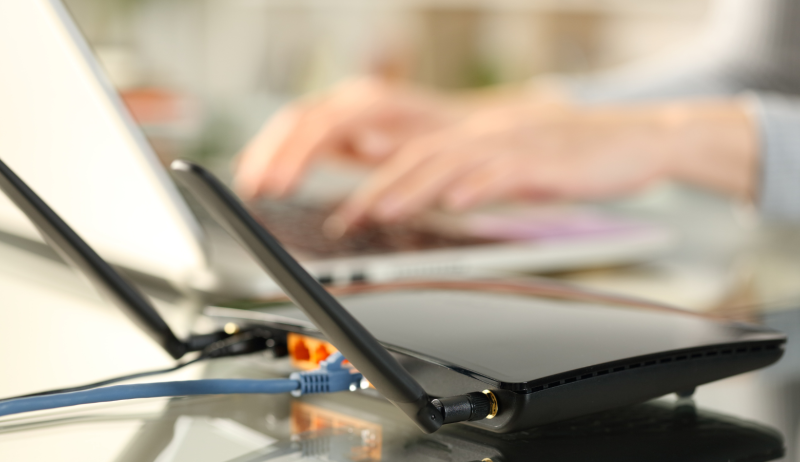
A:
[726,122]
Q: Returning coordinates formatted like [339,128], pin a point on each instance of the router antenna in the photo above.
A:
[73,249]
[340,327]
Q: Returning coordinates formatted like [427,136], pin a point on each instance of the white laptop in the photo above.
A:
[66,132]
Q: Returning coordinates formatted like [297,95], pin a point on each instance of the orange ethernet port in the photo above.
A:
[321,354]
[307,352]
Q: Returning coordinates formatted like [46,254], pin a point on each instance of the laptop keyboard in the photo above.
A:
[299,227]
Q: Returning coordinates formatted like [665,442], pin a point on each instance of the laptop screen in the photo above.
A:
[65,131]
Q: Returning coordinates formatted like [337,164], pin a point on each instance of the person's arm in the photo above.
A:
[751,50]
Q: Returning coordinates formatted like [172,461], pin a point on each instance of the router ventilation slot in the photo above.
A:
[662,360]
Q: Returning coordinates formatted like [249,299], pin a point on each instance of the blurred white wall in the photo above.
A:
[238,60]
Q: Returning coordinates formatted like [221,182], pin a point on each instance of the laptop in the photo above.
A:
[67,133]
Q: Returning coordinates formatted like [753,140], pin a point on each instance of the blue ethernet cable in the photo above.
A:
[330,377]
[147,390]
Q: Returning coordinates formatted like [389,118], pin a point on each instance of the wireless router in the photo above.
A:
[537,360]
[502,362]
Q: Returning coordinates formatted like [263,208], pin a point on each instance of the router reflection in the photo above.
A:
[652,432]
[355,427]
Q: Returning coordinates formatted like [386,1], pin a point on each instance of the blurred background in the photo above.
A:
[202,75]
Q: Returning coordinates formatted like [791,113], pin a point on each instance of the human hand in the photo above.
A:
[365,119]
[557,152]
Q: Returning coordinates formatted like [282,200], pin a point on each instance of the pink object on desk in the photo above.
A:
[549,225]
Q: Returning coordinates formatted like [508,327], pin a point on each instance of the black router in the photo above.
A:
[501,362]
[537,360]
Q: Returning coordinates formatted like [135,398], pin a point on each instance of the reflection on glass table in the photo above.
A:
[361,427]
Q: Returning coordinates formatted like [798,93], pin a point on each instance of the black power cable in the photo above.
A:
[245,342]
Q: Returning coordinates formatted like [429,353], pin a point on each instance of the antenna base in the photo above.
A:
[467,408]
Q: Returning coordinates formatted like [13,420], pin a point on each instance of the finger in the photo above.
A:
[363,106]
[389,127]
[355,208]
[375,140]
[402,193]
[495,180]
[255,158]
[423,186]
[373,144]
[282,151]
[508,177]
[330,129]
[313,135]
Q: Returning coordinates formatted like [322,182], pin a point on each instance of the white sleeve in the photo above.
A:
[779,120]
